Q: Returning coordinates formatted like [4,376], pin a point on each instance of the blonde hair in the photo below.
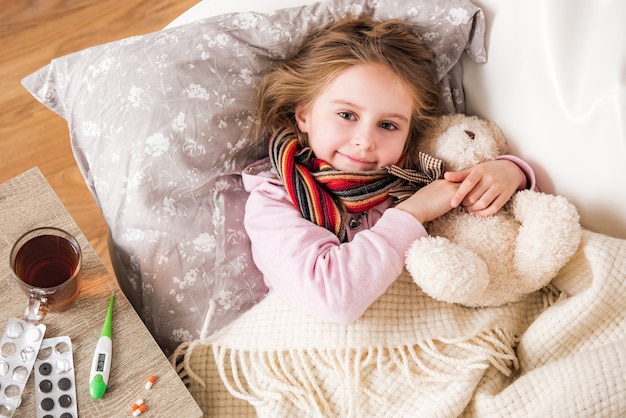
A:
[326,52]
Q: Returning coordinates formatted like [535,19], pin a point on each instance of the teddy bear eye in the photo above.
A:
[471,134]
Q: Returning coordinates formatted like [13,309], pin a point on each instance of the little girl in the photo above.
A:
[342,113]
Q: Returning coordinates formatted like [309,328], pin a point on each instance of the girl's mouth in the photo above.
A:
[359,162]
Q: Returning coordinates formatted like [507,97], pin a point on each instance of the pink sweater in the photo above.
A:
[307,265]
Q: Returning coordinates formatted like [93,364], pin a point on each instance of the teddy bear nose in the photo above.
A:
[471,134]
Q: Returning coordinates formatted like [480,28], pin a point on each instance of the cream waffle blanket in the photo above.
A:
[561,352]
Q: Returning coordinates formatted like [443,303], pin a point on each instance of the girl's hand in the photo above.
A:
[485,188]
[431,201]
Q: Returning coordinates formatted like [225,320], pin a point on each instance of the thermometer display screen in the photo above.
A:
[101,358]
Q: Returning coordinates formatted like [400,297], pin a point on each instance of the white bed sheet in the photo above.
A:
[556,83]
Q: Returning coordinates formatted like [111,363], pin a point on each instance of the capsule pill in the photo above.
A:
[136,405]
[150,382]
[139,409]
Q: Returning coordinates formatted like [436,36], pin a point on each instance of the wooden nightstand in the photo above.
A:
[27,201]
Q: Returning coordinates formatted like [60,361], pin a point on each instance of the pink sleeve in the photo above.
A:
[531,182]
[311,270]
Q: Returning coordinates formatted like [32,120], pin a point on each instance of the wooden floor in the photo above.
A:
[32,32]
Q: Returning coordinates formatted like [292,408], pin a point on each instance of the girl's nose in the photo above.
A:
[364,138]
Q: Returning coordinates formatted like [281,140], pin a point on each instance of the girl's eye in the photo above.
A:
[389,126]
[347,115]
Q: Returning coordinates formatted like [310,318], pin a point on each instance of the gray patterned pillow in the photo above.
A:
[161,127]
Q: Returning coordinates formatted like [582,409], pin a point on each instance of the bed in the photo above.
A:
[160,127]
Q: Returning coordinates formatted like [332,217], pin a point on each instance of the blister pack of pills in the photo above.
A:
[55,385]
[19,346]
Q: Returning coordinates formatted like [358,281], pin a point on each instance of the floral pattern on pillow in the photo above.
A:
[162,124]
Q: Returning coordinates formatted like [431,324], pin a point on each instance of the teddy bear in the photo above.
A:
[481,261]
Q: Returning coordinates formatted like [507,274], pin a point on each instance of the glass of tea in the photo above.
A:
[46,263]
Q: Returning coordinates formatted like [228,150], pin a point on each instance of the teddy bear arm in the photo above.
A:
[549,235]
[446,271]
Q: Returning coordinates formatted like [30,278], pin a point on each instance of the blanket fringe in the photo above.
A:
[181,356]
[551,295]
[180,361]
[298,375]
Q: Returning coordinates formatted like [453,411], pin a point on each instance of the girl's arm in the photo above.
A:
[531,181]
[309,267]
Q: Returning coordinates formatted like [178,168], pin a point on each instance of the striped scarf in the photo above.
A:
[321,193]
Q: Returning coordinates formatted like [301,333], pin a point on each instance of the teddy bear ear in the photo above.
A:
[498,135]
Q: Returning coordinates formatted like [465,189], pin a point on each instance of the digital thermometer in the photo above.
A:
[101,363]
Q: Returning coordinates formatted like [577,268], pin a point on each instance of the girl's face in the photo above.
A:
[361,120]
